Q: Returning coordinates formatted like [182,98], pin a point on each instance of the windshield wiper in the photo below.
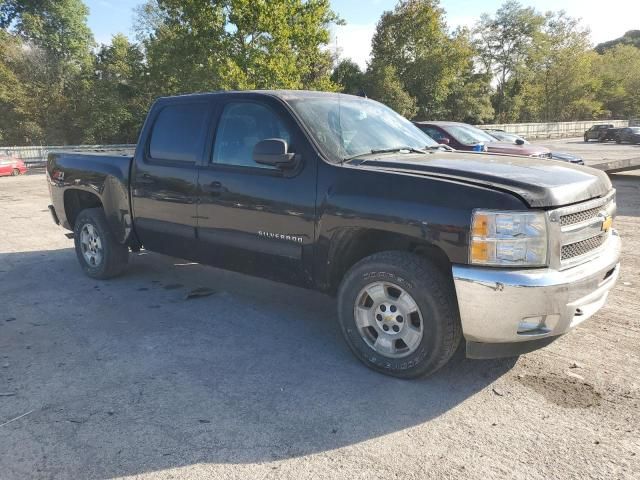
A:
[385,150]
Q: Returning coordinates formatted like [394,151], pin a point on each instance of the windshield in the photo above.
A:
[635,130]
[468,134]
[346,126]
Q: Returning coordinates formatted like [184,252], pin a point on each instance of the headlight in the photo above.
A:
[508,238]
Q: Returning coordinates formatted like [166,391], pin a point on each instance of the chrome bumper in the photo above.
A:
[511,306]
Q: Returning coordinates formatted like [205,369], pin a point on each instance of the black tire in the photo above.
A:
[433,292]
[586,139]
[114,256]
[15,172]
[618,140]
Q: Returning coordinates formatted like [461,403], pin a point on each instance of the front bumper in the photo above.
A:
[505,312]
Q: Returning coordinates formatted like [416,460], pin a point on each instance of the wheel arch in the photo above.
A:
[350,245]
[77,199]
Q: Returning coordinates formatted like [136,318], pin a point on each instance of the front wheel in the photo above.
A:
[15,172]
[98,252]
[586,139]
[399,314]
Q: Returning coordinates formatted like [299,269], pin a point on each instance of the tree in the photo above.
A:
[505,43]
[632,37]
[383,84]
[562,87]
[53,65]
[16,125]
[119,93]
[198,45]
[619,72]
[469,98]
[57,26]
[349,77]
[428,63]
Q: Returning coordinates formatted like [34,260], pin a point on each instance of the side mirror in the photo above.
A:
[444,141]
[273,152]
[519,141]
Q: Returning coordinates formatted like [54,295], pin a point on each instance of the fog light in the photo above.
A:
[533,326]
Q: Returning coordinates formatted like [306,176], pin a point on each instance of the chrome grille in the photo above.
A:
[578,249]
[579,217]
[576,231]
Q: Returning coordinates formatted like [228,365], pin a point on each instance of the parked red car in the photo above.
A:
[10,165]
[462,136]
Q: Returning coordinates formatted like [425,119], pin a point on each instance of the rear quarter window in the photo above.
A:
[178,132]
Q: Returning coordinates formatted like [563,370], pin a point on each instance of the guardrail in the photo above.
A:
[36,156]
[532,131]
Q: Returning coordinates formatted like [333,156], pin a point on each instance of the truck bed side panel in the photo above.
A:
[106,177]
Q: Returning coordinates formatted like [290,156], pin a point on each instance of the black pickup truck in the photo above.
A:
[422,245]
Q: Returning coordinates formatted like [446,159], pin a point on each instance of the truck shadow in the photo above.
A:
[129,376]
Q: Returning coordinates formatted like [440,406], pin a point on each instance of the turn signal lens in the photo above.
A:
[480,251]
[481,225]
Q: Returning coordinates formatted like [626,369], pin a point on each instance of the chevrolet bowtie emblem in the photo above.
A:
[607,223]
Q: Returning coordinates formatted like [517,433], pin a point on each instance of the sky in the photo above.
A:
[606,21]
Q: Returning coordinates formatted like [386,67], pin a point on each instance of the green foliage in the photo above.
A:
[200,45]
[348,75]
[384,85]
[516,65]
[561,67]
[15,124]
[420,68]
[57,26]
[505,43]
[413,39]
[119,93]
[543,67]
[51,61]
[619,72]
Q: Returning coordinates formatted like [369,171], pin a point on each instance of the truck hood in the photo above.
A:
[539,182]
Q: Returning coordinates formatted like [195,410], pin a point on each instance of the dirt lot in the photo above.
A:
[128,378]
[592,152]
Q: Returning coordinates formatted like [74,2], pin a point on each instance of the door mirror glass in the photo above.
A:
[273,152]
[444,141]
[519,141]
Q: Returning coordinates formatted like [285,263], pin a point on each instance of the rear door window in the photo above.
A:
[178,132]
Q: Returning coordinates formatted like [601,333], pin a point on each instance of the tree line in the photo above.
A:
[58,87]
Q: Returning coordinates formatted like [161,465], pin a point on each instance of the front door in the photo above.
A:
[255,218]
[164,177]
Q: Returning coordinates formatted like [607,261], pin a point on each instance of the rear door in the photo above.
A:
[256,218]
[164,176]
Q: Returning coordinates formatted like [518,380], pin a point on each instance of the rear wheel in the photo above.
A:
[15,172]
[99,254]
[399,314]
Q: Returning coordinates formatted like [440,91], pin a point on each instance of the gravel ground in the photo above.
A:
[592,152]
[128,378]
